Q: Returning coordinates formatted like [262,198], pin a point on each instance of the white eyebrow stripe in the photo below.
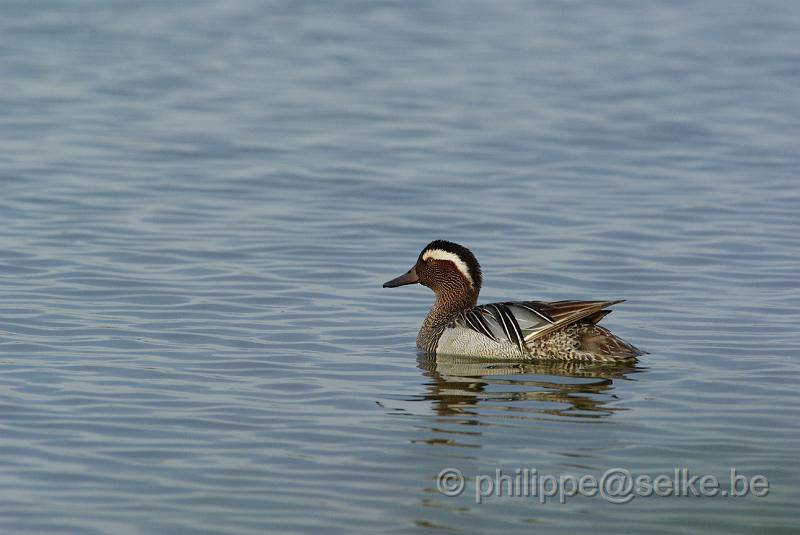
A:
[439,254]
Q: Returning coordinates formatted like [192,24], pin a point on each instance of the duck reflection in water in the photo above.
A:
[542,389]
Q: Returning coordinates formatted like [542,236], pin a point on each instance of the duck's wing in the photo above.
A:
[521,322]
[563,313]
[496,321]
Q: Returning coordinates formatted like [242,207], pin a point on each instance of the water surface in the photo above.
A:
[200,202]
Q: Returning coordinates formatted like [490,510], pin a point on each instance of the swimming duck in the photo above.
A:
[509,330]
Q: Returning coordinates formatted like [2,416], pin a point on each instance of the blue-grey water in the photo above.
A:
[199,202]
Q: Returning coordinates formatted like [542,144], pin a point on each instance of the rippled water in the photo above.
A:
[201,200]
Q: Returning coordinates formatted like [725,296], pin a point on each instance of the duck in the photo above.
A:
[457,325]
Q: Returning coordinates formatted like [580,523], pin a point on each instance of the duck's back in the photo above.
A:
[535,329]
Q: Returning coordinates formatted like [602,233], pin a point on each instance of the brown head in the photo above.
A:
[450,270]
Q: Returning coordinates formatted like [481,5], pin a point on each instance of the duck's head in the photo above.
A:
[446,268]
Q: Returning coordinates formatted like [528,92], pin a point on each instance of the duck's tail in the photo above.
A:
[603,343]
